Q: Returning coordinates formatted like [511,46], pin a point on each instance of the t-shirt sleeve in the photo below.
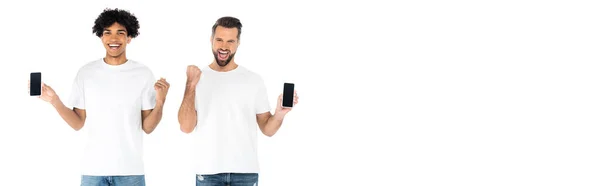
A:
[77,98]
[149,94]
[262,99]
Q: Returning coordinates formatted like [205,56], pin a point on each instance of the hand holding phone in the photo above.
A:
[37,88]
[286,100]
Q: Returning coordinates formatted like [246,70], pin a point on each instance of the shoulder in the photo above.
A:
[205,69]
[250,75]
[140,67]
[89,67]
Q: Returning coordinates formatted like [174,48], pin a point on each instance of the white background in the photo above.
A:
[411,93]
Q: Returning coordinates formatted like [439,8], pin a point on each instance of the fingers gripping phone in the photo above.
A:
[288,95]
[35,84]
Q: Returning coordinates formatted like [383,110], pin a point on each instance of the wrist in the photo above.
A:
[189,88]
[191,83]
[159,103]
[278,116]
[55,101]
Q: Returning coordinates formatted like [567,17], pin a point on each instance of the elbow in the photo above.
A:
[147,131]
[268,133]
[147,127]
[186,129]
[186,126]
[77,127]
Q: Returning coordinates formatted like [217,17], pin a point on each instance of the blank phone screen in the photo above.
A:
[288,95]
[35,84]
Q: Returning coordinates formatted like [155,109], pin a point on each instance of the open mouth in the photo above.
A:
[223,54]
[114,46]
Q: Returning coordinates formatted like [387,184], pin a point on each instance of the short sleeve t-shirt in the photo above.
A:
[113,97]
[225,136]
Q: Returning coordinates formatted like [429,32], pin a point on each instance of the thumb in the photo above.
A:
[279,100]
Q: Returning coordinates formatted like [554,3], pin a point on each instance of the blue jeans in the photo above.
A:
[230,179]
[137,180]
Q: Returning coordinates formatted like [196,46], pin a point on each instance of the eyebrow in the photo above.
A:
[223,39]
[120,30]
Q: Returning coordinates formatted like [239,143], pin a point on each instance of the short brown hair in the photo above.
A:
[228,22]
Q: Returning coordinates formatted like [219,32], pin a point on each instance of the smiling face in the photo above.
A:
[115,40]
[224,44]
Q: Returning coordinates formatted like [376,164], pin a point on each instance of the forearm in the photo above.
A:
[272,125]
[187,112]
[69,115]
[152,120]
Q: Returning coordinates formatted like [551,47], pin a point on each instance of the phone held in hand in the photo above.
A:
[35,84]
[288,95]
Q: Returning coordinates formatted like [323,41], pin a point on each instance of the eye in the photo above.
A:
[231,41]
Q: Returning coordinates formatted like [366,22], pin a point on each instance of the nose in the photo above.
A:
[112,38]
[222,46]
[226,46]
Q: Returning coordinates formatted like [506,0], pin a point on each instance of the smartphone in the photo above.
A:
[288,95]
[35,84]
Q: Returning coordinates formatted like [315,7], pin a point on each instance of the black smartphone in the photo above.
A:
[288,95]
[35,84]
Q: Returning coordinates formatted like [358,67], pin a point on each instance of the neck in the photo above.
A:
[116,60]
[230,66]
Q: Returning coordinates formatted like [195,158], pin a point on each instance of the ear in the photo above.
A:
[128,40]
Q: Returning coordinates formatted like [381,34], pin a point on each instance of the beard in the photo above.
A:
[222,63]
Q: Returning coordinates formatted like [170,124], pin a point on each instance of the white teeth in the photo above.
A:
[114,45]
[222,52]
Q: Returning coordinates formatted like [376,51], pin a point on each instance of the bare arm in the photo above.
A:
[187,111]
[151,118]
[269,124]
[75,118]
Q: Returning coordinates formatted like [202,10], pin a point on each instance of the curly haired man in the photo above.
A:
[116,100]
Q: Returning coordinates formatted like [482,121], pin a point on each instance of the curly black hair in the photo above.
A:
[123,17]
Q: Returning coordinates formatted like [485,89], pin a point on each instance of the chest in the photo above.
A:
[114,90]
[228,91]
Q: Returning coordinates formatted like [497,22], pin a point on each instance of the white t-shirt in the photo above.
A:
[225,136]
[113,97]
